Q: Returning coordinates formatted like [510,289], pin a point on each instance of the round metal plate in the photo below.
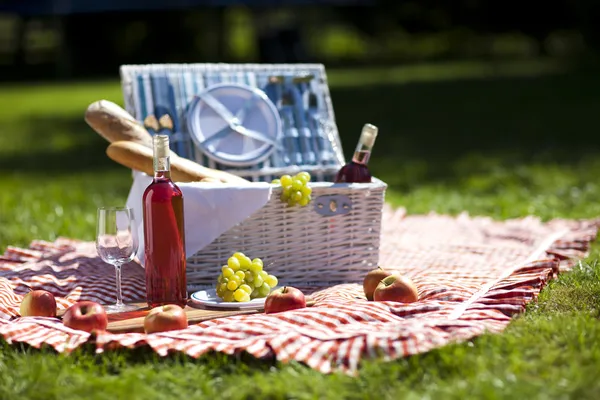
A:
[234,124]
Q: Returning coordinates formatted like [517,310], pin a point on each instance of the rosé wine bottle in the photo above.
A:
[164,237]
[356,171]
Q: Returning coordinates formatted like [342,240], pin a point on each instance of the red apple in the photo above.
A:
[170,317]
[372,279]
[38,303]
[284,299]
[396,288]
[85,316]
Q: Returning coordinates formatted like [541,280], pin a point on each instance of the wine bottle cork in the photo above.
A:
[368,135]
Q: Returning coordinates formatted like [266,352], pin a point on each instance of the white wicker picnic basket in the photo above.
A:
[335,239]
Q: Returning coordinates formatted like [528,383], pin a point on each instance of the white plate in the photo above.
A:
[214,134]
[209,298]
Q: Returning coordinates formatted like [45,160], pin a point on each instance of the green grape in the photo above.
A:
[276,182]
[220,292]
[264,290]
[304,201]
[297,184]
[227,272]
[220,278]
[242,297]
[223,287]
[297,196]
[295,189]
[258,280]
[256,267]
[237,293]
[246,288]
[289,191]
[258,261]
[236,279]
[254,294]
[233,263]
[286,192]
[271,280]
[263,274]
[232,285]
[248,277]
[228,296]
[238,255]
[303,176]
[286,180]
[245,263]
[240,274]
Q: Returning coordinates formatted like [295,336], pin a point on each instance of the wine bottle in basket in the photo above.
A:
[357,170]
[164,237]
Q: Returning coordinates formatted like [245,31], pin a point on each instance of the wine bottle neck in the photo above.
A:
[162,163]
[361,157]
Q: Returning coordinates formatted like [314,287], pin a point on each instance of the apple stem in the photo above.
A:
[284,290]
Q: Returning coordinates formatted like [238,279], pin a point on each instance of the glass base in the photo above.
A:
[114,309]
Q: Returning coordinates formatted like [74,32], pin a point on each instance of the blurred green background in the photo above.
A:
[46,39]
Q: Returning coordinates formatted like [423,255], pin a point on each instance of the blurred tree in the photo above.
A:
[279,35]
[97,43]
[481,17]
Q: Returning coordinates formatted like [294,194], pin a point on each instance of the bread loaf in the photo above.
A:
[115,124]
[139,157]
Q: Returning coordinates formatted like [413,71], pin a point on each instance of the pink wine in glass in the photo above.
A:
[164,238]
[356,171]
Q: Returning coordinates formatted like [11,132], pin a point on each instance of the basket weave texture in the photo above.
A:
[336,243]
[298,244]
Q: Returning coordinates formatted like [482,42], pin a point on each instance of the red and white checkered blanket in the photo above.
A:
[473,275]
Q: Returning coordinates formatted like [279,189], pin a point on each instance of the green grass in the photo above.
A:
[505,143]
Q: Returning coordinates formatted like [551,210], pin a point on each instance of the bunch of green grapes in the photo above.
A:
[295,189]
[243,279]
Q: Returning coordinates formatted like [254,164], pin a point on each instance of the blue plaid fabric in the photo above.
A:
[309,138]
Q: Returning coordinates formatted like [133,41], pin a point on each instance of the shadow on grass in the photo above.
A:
[427,128]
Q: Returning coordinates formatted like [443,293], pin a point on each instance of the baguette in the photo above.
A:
[210,180]
[114,124]
[139,157]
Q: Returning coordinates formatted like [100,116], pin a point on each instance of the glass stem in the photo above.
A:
[118,279]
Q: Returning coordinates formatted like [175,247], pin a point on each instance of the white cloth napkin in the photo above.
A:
[210,209]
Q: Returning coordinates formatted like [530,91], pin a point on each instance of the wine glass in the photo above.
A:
[117,244]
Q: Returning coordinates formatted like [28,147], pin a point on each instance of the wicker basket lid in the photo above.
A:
[308,138]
